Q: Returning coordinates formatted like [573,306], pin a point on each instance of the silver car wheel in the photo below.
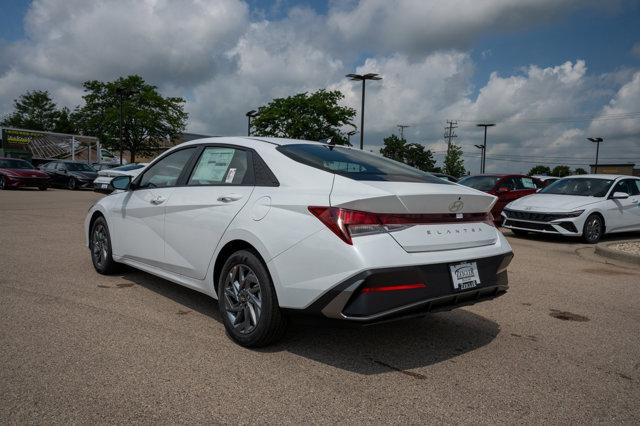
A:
[100,245]
[242,298]
[593,229]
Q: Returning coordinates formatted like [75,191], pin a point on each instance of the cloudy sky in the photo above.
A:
[548,72]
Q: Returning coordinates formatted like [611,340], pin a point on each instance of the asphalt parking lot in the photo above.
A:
[562,346]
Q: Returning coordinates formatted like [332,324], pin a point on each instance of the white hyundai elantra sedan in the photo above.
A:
[586,206]
[275,227]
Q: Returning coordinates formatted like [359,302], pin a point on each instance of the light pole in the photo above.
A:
[363,78]
[122,92]
[250,114]
[597,142]
[481,148]
[402,127]
[484,149]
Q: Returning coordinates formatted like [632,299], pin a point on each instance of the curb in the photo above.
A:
[602,249]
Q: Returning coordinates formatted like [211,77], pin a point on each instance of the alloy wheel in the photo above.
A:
[71,184]
[242,298]
[100,245]
[593,229]
[2,182]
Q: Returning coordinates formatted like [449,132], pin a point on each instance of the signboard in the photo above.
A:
[18,140]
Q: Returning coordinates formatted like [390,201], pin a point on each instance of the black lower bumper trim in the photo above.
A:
[348,301]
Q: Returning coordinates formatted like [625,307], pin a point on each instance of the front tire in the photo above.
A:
[3,184]
[248,303]
[593,229]
[100,246]
[43,188]
[72,184]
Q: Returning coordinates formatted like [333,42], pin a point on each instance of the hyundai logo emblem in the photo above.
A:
[456,206]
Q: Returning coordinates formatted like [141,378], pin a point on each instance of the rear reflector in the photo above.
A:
[396,287]
[347,223]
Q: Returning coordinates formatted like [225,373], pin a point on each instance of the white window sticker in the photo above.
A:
[230,175]
[212,166]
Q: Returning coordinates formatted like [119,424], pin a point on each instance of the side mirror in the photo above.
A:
[503,189]
[620,195]
[121,182]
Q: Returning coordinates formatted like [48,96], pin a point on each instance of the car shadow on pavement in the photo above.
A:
[398,346]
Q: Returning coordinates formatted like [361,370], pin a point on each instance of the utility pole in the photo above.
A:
[597,142]
[402,127]
[449,133]
[250,114]
[484,150]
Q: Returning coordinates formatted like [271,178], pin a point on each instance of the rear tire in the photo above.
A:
[100,246]
[248,302]
[3,184]
[593,229]
[43,188]
[72,184]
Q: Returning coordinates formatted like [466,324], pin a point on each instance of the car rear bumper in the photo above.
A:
[347,300]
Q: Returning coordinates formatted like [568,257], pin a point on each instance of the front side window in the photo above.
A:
[356,164]
[220,166]
[627,186]
[166,172]
[586,187]
[528,183]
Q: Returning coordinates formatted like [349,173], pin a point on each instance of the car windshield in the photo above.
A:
[482,183]
[586,187]
[10,163]
[356,164]
[79,167]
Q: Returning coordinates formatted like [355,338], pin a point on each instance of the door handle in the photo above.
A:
[229,198]
[158,200]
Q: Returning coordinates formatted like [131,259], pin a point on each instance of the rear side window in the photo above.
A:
[355,164]
[220,166]
[481,183]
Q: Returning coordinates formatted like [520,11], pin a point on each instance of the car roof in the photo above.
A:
[249,141]
[598,176]
[499,175]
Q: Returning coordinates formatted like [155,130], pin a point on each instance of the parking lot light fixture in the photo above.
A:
[363,78]
[481,148]
[484,145]
[250,115]
[597,142]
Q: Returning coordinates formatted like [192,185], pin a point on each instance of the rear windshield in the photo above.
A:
[481,183]
[355,164]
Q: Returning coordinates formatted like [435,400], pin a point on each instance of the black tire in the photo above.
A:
[249,323]
[593,229]
[72,184]
[100,247]
[43,188]
[3,184]
[520,232]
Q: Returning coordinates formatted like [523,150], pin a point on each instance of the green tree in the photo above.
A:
[65,122]
[148,116]
[394,148]
[561,171]
[579,171]
[413,154]
[540,170]
[453,161]
[34,110]
[419,157]
[314,116]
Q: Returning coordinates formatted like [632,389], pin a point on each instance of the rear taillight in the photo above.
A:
[350,223]
[392,287]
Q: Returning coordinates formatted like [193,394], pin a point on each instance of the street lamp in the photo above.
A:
[363,78]
[597,142]
[123,92]
[484,145]
[250,114]
[481,148]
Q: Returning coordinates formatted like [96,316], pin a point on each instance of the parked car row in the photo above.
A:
[17,173]
[586,206]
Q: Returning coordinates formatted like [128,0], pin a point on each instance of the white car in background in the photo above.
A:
[274,227]
[101,183]
[586,206]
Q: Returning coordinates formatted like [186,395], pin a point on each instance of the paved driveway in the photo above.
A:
[562,346]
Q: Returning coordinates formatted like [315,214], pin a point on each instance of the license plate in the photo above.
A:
[104,186]
[464,275]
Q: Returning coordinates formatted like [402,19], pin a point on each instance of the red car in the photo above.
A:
[15,173]
[506,187]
